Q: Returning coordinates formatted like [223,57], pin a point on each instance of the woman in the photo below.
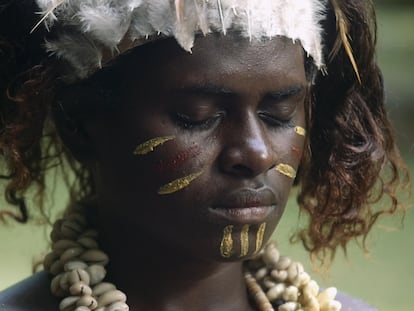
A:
[185,124]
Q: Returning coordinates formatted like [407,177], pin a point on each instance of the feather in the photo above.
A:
[342,39]
[80,52]
[47,14]
[179,9]
[105,23]
[89,29]
[220,8]
[201,16]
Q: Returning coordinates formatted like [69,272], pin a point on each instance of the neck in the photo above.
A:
[158,277]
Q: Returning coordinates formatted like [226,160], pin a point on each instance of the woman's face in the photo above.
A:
[201,154]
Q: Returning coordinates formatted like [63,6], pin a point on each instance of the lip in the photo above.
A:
[245,206]
[246,215]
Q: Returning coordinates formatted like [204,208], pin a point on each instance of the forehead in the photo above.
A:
[216,59]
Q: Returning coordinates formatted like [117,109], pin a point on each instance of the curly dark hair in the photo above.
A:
[351,160]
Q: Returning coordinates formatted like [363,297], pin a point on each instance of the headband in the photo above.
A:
[88,34]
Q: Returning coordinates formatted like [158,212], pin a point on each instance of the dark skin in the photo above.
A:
[239,102]
[236,103]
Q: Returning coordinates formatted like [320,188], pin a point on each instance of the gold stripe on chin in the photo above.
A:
[287,170]
[149,145]
[178,184]
[244,240]
[300,131]
[260,236]
[226,245]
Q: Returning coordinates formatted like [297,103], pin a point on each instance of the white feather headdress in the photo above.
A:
[86,32]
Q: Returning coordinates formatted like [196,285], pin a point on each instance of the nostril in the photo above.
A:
[241,169]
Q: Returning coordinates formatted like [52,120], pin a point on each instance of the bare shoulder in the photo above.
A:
[353,304]
[30,294]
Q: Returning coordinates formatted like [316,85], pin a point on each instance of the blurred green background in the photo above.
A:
[384,276]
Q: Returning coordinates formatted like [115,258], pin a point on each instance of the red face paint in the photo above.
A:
[297,153]
[177,160]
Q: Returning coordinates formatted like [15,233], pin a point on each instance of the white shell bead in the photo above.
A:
[68,302]
[289,306]
[60,246]
[301,280]
[271,255]
[311,289]
[268,282]
[87,242]
[261,273]
[77,218]
[55,286]
[291,293]
[87,301]
[70,229]
[294,270]
[312,304]
[327,295]
[70,254]
[83,308]
[90,234]
[49,260]
[64,282]
[102,288]
[111,297]
[276,292]
[73,265]
[283,263]
[79,275]
[95,256]
[79,289]
[56,267]
[97,274]
[332,305]
[117,306]
[279,276]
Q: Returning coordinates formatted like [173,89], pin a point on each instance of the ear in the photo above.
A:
[74,136]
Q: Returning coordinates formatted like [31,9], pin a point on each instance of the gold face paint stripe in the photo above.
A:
[259,237]
[300,131]
[287,170]
[226,245]
[178,184]
[149,145]
[244,240]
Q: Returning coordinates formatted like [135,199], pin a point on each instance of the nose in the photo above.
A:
[247,150]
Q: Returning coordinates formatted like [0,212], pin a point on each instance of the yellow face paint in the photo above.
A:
[300,131]
[226,245]
[244,240]
[149,145]
[287,170]
[259,237]
[178,184]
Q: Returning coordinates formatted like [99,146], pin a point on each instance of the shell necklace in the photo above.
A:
[77,264]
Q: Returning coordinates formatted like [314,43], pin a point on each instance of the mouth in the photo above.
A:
[245,206]
[242,215]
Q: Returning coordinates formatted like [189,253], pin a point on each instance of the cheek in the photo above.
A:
[297,153]
[177,167]
[176,161]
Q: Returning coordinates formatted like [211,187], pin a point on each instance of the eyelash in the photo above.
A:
[185,122]
[277,123]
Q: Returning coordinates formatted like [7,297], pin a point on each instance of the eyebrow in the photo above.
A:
[285,93]
[214,90]
[205,89]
